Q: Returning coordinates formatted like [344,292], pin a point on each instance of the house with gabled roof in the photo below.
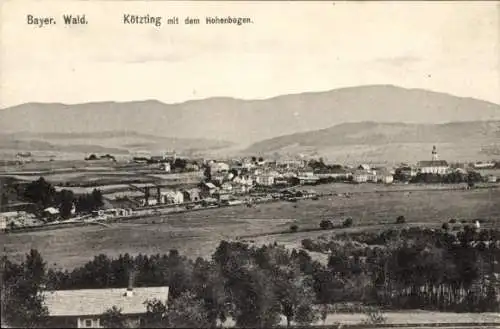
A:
[83,308]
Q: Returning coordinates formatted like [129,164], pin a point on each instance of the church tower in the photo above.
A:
[434,154]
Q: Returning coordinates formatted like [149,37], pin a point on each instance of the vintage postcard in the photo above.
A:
[250,164]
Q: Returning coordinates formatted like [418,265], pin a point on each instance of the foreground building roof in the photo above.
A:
[97,301]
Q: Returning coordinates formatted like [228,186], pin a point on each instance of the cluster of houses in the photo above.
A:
[216,182]
[366,173]
[226,180]
[17,219]
[156,195]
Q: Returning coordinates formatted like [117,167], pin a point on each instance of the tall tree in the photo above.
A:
[296,296]
[22,298]
[40,192]
[187,311]
[97,198]
[67,197]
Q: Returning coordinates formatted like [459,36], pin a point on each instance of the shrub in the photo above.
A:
[375,316]
[347,222]
[307,244]
[326,224]
[401,220]
[452,221]
[445,226]
[294,228]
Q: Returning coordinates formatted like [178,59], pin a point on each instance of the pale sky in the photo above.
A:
[291,47]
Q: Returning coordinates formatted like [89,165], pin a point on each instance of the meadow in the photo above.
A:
[198,233]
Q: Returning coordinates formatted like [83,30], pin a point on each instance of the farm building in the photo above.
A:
[219,167]
[165,167]
[7,217]
[364,166]
[243,180]
[385,178]
[148,202]
[51,212]
[83,308]
[291,163]
[172,197]
[484,165]
[219,178]
[308,180]
[265,180]
[192,195]
[208,189]
[227,186]
[360,176]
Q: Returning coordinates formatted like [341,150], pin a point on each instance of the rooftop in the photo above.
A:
[434,163]
[210,185]
[51,210]
[97,301]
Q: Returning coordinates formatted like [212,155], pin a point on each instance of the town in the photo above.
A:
[161,184]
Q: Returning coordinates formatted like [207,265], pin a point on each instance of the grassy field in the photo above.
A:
[198,233]
[414,317]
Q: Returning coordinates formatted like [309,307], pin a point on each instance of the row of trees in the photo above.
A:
[470,177]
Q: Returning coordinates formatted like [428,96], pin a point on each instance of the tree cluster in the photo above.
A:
[451,178]
[414,268]
[89,202]
[45,195]
[411,268]
[22,302]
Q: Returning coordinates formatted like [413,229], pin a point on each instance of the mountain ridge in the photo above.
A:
[254,99]
[245,122]
[376,140]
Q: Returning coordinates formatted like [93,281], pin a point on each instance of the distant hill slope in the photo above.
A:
[248,121]
[376,141]
[116,142]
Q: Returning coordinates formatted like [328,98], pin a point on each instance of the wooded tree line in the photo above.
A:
[470,177]
[45,195]
[415,268]
[255,286]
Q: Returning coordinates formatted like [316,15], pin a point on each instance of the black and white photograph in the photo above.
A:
[250,164]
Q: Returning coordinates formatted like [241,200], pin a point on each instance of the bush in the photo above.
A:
[347,222]
[452,221]
[294,228]
[445,227]
[307,244]
[374,316]
[401,220]
[326,224]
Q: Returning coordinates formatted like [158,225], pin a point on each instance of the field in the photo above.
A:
[413,318]
[198,233]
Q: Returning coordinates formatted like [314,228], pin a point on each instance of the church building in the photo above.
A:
[435,166]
